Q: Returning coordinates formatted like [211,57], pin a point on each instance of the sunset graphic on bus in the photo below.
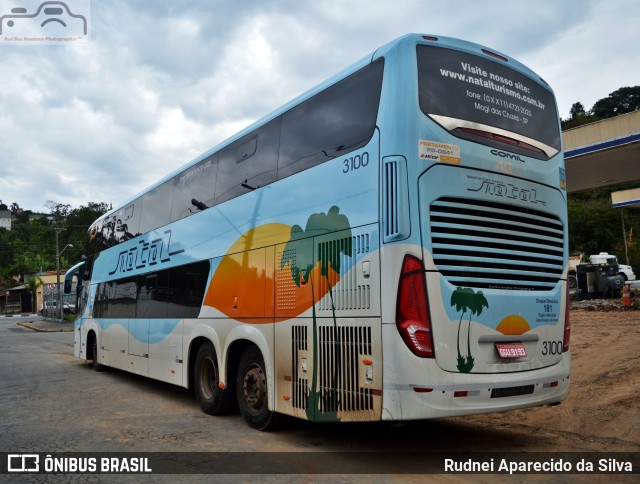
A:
[245,282]
[513,325]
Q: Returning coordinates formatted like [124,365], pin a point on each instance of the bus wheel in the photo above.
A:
[251,389]
[573,282]
[94,354]
[212,399]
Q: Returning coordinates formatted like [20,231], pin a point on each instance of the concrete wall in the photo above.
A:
[600,131]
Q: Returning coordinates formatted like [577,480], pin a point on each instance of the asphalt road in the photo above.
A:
[51,402]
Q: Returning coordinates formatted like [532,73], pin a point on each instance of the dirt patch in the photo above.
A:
[602,412]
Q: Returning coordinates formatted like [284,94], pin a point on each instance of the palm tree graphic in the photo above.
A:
[302,264]
[466,299]
[33,284]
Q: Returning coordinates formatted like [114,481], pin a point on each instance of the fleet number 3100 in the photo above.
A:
[355,162]
[551,347]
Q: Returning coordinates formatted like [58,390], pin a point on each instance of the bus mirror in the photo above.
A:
[67,286]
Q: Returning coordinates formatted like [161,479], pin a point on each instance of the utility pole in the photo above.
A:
[624,237]
[58,254]
[61,312]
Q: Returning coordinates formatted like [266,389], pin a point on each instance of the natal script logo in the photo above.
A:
[507,190]
[146,254]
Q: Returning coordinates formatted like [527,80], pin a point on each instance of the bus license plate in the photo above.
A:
[511,350]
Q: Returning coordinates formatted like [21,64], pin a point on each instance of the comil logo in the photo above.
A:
[49,22]
[508,156]
[23,463]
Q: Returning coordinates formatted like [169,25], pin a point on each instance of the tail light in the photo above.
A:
[412,311]
[567,323]
[502,139]
[495,56]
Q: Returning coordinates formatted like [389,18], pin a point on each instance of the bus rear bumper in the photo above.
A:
[469,394]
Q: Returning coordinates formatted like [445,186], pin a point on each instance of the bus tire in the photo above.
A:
[212,399]
[251,389]
[573,282]
[94,354]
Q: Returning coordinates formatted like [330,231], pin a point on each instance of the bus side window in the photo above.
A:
[124,298]
[338,120]
[156,207]
[249,163]
[93,243]
[194,188]
[188,284]
[128,221]
[108,227]
[154,295]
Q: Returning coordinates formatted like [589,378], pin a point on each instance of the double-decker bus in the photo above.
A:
[390,245]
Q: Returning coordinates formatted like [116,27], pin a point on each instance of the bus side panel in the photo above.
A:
[113,343]
[165,350]
[83,324]
[329,361]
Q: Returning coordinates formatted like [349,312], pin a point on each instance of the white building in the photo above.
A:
[5,219]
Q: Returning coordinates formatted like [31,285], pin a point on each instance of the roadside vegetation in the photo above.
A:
[30,246]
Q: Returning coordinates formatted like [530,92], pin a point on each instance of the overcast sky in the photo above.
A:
[159,82]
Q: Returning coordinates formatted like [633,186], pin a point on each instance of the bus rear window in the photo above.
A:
[481,99]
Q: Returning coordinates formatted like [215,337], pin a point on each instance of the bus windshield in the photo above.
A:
[476,97]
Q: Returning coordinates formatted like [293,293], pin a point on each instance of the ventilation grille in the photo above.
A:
[285,285]
[300,390]
[348,294]
[484,244]
[395,223]
[392,225]
[340,349]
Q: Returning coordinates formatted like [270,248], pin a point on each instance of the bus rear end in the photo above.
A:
[474,227]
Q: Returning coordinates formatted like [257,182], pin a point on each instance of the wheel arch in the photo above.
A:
[194,346]
[91,336]
[229,353]
[233,354]
[240,338]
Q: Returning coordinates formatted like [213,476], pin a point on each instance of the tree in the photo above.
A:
[621,101]
[577,110]
[59,211]
[595,226]
[466,299]
[30,245]
[33,284]
[30,262]
[577,117]
[78,221]
[299,253]
[86,215]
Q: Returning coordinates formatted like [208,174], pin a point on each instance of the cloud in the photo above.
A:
[593,57]
[161,82]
